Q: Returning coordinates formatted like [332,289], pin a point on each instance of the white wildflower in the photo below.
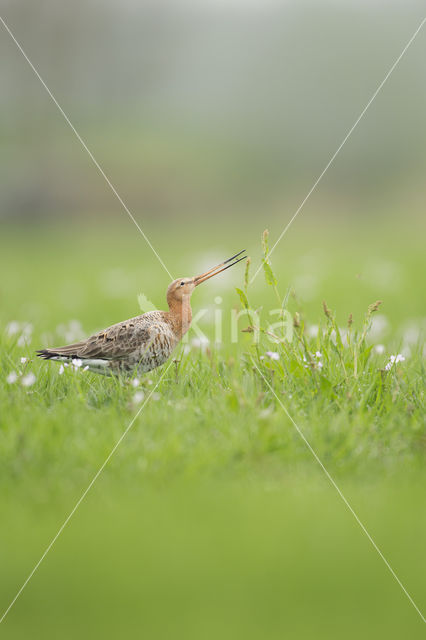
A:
[393,360]
[12,377]
[344,335]
[138,397]
[406,351]
[27,329]
[265,413]
[24,340]
[411,335]
[379,326]
[200,342]
[12,328]
[318,354]
[71,332]
[319,365]
[273,355]
[379,348]
[312,330]
[77,363]
[24,360]
[28,380]
[135,382]
[86,368]
[61,369]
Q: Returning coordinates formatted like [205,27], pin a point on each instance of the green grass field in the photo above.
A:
[213,519]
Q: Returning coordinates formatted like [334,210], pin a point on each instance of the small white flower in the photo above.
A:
[77,362]
[265,413]
[12,328]
[200,342]
[411,335]
[393,360]
[313,330]
[138,397]
[273,355]
[61,369]
[379,348]
[27,329]
[318,354]
[86,368]
[319,365]
[24,340]
[135,382]
[12,377]
[24,360]
[379,326]
[262,357]
[28,380]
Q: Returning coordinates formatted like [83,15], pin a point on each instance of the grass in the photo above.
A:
[212,516]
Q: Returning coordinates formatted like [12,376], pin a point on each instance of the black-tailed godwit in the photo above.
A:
[144,342]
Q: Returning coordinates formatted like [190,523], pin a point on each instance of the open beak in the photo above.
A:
[219,268]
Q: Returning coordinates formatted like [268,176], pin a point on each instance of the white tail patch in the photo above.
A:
[95,364]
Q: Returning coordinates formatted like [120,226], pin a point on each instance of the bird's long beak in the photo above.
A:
[219,268]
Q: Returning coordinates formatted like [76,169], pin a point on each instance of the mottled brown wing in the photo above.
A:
[117,341]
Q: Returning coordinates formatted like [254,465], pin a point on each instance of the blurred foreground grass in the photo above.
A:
[197,560]
[212,519]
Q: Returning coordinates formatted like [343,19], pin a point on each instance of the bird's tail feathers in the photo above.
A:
[97,365]
[62,354]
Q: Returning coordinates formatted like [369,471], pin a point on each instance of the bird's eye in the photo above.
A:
[181,284]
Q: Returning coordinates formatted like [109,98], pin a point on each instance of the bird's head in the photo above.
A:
[183,287]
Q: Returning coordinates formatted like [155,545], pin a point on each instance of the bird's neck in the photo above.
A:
[180,314]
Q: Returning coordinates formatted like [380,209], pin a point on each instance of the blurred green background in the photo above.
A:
[213,120]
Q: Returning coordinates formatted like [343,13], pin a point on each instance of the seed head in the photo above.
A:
[326,309]
[350,320]
[265,243]
[373,307]
[246,273]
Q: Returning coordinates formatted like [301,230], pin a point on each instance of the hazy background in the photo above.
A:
[210,108]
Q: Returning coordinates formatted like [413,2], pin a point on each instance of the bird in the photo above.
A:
[144,342]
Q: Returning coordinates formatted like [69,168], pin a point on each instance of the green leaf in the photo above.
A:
[269,274]
[243,298]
